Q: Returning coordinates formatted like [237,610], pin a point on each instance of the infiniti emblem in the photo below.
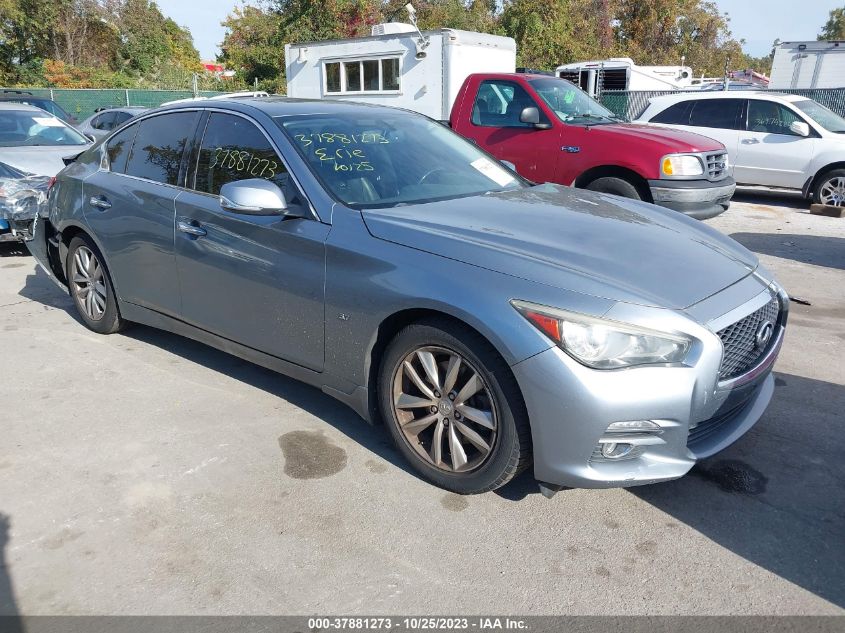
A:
[445,407]
[764,334]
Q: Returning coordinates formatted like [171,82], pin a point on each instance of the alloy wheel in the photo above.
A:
[445,409]
[832,192]
[89,285]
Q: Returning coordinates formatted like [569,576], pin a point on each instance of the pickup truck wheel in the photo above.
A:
[453,408]
[615,186]
[91,288]
[830,189]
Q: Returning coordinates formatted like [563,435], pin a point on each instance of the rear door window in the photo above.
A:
[724,114]
[159,145]
[104,121]
[118,149]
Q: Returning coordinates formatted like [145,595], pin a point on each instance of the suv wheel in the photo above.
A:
[830,189]
[91,288]
[453,408]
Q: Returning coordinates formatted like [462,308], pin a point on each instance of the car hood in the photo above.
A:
[577,240]
[42,161]
[666,140]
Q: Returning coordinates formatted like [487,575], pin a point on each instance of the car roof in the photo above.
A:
[22,107]
[726,94]
[284,106]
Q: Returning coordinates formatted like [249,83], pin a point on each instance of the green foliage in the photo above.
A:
[90,43]
[834,29]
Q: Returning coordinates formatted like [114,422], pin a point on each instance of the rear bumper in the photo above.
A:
[700,199]
[39,246]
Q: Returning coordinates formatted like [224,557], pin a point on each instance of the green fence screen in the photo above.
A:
[83,102]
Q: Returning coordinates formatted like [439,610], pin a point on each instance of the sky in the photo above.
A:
[758,22]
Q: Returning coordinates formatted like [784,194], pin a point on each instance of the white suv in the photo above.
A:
[773,139]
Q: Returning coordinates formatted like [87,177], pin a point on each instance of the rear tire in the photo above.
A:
[830,189]
[615,186]
[441,383]
[91,288]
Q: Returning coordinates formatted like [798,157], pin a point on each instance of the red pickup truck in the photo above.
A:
[552,131]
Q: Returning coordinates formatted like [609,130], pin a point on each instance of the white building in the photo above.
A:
[808,65]
[396,66]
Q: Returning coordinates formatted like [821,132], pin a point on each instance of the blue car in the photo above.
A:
[491,324]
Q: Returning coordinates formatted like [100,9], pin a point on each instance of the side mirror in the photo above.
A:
[800,128]
[531,115]
[254,196]
[91,138]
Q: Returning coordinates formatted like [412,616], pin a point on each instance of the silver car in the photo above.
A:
[33,147]
[100,124]
[491,324]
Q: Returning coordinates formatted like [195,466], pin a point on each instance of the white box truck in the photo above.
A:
[808,65]
[396,66]
[621,73]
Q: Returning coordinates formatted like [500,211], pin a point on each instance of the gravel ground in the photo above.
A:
[143,473]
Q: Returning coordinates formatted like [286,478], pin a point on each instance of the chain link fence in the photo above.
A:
[631,104]
[82,103]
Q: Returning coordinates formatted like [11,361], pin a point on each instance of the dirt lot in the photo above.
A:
[146,474]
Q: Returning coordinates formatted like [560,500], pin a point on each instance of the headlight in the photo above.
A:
[682,165]
[603,344]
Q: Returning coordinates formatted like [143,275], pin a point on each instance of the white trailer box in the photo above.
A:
[808,65]
[621,73]
[394,67]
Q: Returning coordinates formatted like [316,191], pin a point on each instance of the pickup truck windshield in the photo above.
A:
[828,119]
[25,128]
[571,104]
[379,159]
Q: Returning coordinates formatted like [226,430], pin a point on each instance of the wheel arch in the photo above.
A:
[391,325]
[615,171]
[814,181]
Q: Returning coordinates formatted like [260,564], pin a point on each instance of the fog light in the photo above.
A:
[612,450]
[634,426]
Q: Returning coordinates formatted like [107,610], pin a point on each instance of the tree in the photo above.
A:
[834,29]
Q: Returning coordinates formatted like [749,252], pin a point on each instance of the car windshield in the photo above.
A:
[378,158]
[570,103]
[828,119]
[19,128]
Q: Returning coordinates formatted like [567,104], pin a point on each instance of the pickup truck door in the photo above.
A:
[495,127]
[771,154]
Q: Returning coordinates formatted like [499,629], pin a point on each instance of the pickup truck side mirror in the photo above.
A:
[800,128]
[255,196]
[531,115]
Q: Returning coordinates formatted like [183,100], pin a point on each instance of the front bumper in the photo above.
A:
[571,407]
[700,199]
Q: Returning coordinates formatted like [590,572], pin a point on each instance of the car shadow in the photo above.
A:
[310,399]
[13,249]
[818,250]
[9,617]
[775,497]
[786,200]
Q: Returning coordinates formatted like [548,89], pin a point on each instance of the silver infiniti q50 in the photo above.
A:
[491,324]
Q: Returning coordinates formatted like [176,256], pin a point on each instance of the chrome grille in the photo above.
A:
[740,350]
[717,165]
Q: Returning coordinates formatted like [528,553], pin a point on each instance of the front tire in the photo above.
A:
[91,288]
[615,186]
[453,408]
[830,189]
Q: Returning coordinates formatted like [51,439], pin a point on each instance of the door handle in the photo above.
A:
[750,141]
[100,202]
[191,229]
